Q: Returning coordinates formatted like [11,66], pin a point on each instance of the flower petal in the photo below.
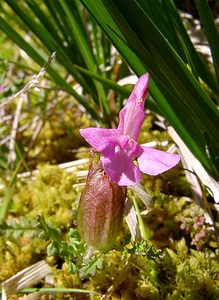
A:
[103,140]
[154,162]
[121,169]
[141,88]
[131,118]
[132,115]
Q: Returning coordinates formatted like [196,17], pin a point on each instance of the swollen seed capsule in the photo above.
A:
[101,209]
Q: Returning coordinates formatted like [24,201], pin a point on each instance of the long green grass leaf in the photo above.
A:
[188,108]
[48,40]
[79,35]
[198,65]
[210,31]
[40,61]
[53,41]
[57,290]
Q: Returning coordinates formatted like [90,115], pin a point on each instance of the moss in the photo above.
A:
[197,274]
[50,194]
[19,254]
[63,278]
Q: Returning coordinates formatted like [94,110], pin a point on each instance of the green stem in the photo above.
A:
[143,230]
[8,193]
[145,236]
[57,290]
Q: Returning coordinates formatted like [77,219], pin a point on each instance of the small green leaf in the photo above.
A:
[74,239]
[65,251]
[51,232]
[52,249]
[73,234]
[90,266]
[72,267]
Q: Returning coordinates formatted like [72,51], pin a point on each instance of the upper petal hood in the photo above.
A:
[132,115]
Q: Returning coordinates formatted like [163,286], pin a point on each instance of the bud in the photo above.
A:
[101,209]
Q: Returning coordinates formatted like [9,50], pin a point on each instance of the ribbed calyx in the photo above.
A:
[101,209]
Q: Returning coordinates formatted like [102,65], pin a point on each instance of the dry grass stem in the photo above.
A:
[32,83]
[25,279]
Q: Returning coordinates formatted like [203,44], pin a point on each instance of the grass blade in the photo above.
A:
[197,64]
[188,109]
[40,61]
[210,31]
[81,40]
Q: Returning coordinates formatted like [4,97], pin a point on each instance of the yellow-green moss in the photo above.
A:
[51,194]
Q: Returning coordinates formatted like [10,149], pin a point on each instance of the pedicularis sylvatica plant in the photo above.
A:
[122,162]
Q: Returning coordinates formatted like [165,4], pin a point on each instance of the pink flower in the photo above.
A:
[120,148]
